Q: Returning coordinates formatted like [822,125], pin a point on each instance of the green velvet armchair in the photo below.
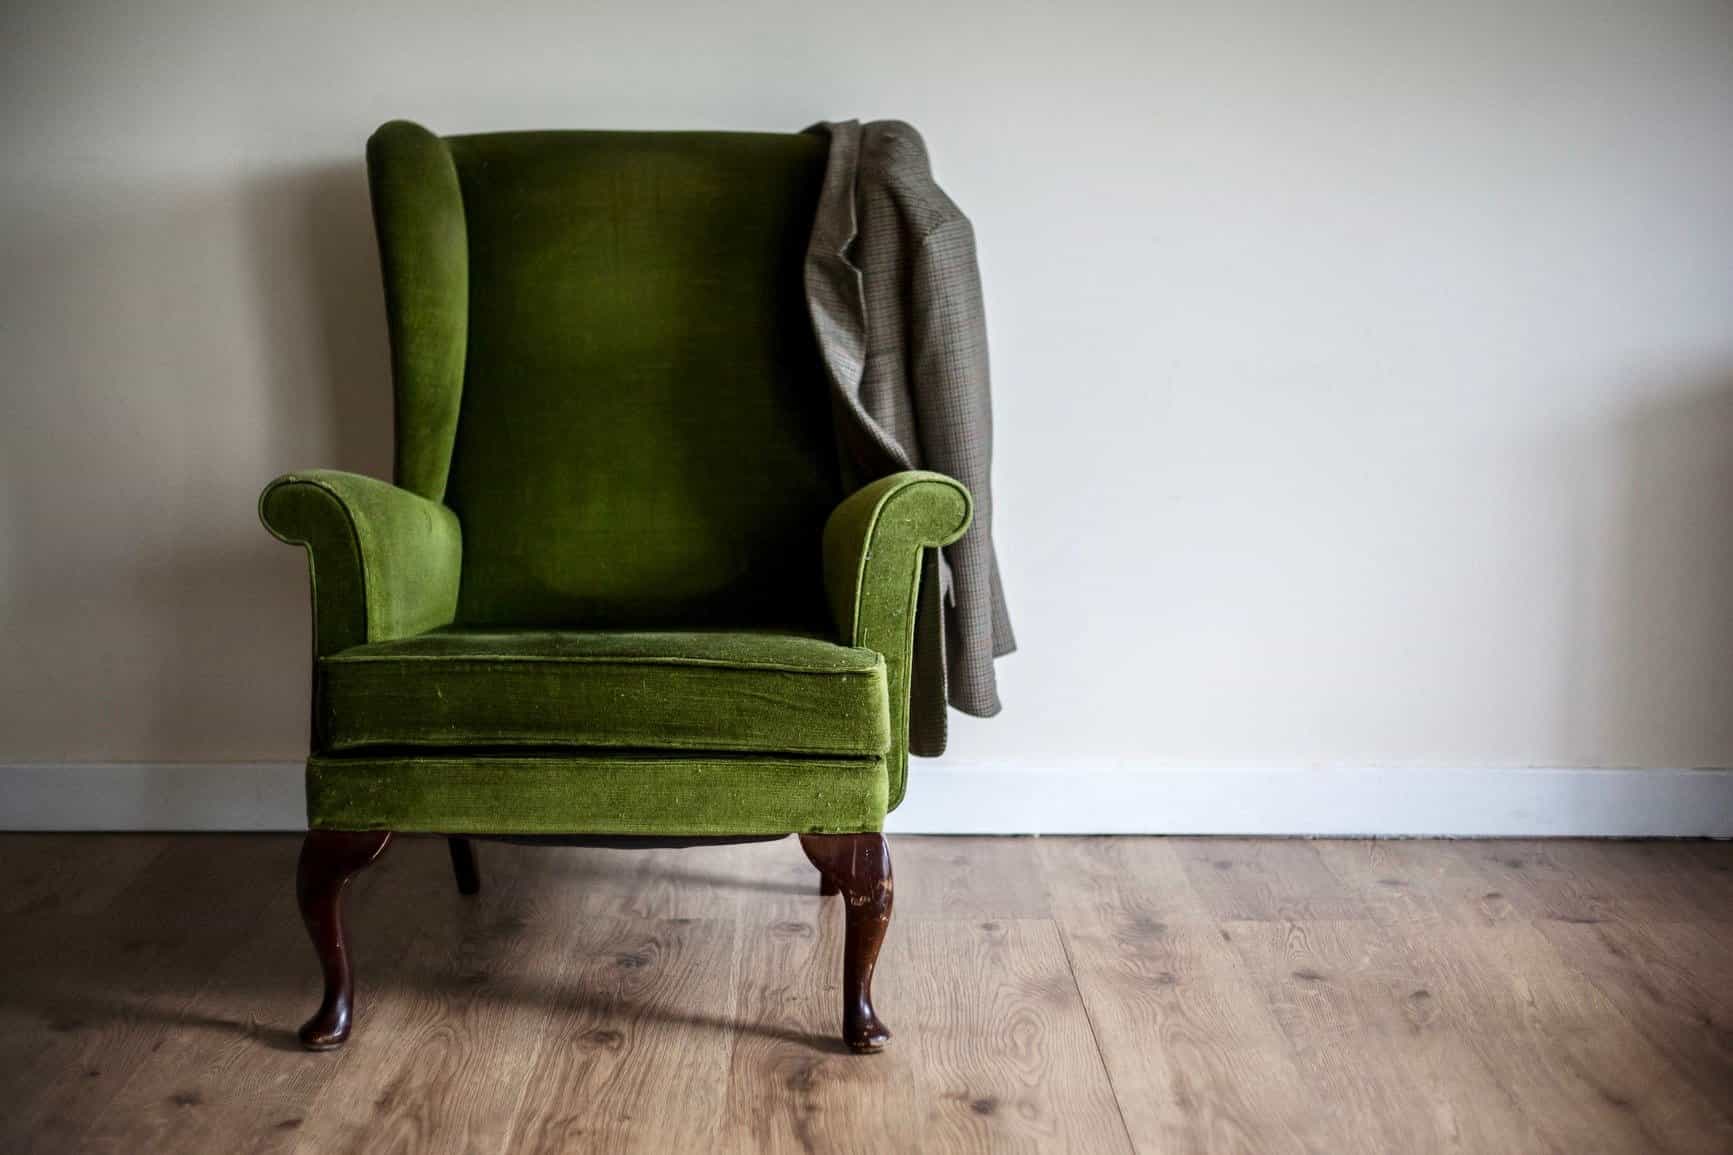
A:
[616,593]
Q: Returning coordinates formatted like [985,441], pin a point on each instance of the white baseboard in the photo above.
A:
[954,797]
[153,796]
[1400,803]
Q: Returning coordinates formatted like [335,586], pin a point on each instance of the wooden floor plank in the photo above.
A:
[1591,881]
[1046,995]
[75,874]
[1419,899]
[640,1015]
[1366,1034]
[454,1033]
[692,882]
[1266,880]
[792,1086]
[1669,980]
[1654,882]
[1582,1074]
[233,1078]
[79,1015]
[1197,1059]
[969,878]
[1413,887]
[1582,1077]
[1006,1057]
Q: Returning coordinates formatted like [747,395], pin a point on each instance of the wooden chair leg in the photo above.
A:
[329,859]
[860,866]
[463,865]
[826,884]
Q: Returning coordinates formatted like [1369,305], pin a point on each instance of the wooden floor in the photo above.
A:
[1059,994]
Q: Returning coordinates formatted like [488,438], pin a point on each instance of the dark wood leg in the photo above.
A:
[826,883]
[329,859]
[860,866]
[463,865]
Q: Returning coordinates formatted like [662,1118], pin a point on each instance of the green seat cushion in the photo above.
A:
[744,691]
[618,793]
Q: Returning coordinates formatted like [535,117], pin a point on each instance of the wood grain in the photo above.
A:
[1415,887]
[1007,1059]
[72,874]
[1553,1040]
[442,1065]
[1265,880]
[1668,980]
[792,1086]
[1163,995]
[1197,1058]
[1581,1076]
[233,1077]
[1365,1028]
[969,878]
[81,1014]
[637,1020]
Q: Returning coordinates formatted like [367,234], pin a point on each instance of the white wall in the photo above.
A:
[1364,369]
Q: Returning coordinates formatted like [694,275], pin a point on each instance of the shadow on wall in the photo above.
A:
[1667,699]
[323,369]
[178,348]
[322,314]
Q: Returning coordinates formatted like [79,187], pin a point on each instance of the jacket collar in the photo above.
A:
[833,282]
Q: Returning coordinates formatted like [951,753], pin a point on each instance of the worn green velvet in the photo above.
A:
[639,351]
[424,259]
[873,545]
[603,794]
[605,374]
[709,691]
[384,563]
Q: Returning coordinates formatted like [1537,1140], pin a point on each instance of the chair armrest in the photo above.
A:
[384,562]
[872,575]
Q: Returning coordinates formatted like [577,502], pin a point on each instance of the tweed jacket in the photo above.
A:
[895,296]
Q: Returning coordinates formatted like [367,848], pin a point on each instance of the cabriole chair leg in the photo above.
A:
[463,865]
[826,884]
[859,865]
[329,859]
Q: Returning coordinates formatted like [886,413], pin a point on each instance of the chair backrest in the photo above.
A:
[603,363]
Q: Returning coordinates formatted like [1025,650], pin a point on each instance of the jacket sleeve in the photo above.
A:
[951,388]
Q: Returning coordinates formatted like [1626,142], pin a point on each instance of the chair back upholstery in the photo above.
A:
[603,363]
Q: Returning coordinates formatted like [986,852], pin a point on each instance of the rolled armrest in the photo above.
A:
[872,574]
[384,562]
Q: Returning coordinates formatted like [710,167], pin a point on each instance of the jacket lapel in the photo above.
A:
[836,300]
[833,283]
